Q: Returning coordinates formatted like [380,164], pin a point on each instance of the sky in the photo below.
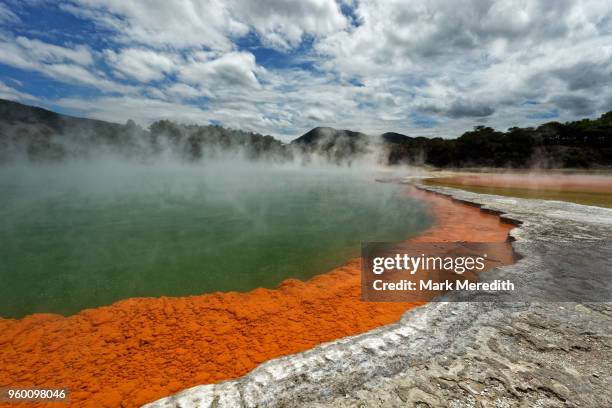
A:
[280,67]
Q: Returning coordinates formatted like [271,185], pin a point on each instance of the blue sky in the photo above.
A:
[419,67]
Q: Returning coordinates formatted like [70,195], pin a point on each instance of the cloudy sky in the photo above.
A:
[281,67]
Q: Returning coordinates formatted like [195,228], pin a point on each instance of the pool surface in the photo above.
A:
[83,235]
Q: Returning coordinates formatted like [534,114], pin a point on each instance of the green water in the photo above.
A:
[84,235]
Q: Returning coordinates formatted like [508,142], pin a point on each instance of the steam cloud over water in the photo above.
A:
[95,212]
[87,233]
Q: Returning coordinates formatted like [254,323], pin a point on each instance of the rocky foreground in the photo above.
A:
[531,349]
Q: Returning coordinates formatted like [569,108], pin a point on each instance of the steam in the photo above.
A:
[32,139]
[84,233]
[94,212]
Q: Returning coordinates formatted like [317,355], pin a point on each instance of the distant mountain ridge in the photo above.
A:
[33,133]
[395,138]
[334,144]
[322,135]
[37,134]
[15,112]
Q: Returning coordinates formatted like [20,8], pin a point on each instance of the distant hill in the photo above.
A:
[335,145]
[31,133]
[395,138]
[39,134]
[579,144]
[327,136]
[18,113]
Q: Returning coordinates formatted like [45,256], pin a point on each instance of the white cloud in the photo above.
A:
[60,63]
[212,23]
[480,60]
[141,64]
[184,91]
[6,15]
[175,23]
[393,65]
[8,92]
[13,55]
[231,70]
[28,53]
[141,109]
[51,53]
[283,24]
[76,73]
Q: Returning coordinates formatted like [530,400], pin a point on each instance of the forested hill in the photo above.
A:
[333,144]
[37,134]
[583,143]
[41,135]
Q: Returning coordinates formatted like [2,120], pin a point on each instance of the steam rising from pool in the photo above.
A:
[85,234]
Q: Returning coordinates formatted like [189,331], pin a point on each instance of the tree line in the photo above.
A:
[579,144]
[38,134]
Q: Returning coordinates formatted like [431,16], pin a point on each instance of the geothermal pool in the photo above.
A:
[82,235]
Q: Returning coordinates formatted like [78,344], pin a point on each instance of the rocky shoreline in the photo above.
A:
[471,353]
